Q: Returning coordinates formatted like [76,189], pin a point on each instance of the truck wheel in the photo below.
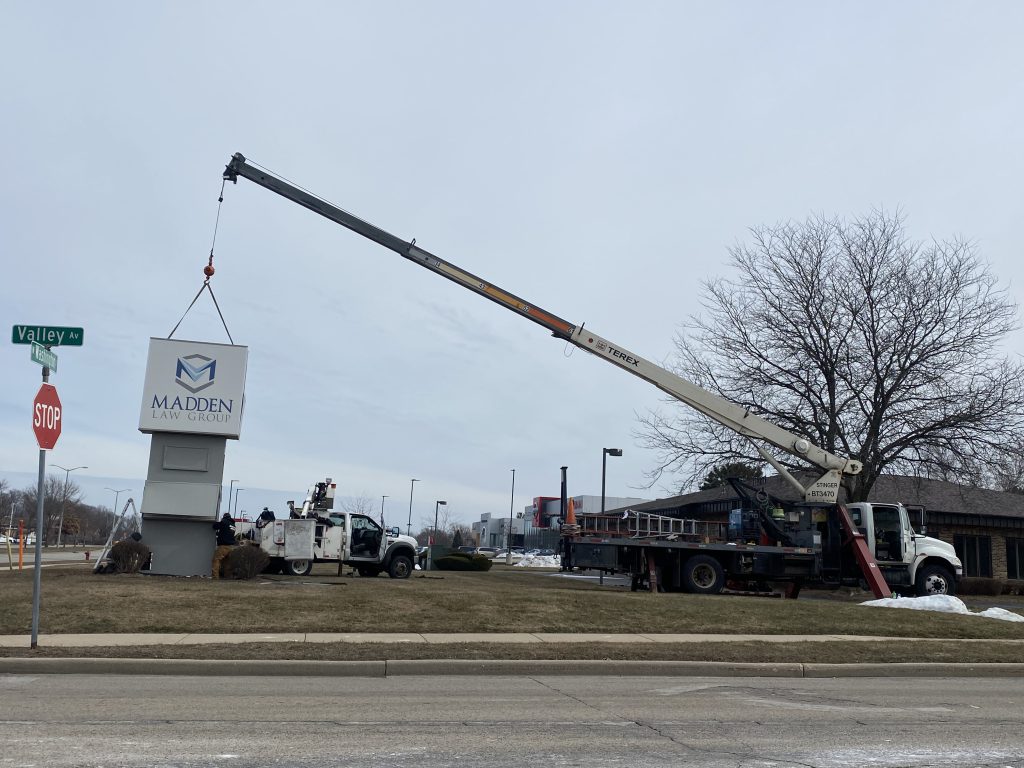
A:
[400,568]
[934,580]
[367,572]
[298,567]
[703,575]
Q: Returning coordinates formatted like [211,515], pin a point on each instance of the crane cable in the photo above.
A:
[208,270]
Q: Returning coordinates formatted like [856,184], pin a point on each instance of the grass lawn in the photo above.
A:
[502,600]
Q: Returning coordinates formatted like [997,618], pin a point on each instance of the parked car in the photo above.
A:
[503,555]
[487,551]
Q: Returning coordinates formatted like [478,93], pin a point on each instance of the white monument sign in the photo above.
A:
[194,387]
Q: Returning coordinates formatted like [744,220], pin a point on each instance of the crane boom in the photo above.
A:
[740,420]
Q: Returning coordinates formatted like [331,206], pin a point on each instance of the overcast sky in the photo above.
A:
[597,159]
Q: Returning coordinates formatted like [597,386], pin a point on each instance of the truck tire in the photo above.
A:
[934,580]
[703,575]
[298,567]
[400,567]
[368,571]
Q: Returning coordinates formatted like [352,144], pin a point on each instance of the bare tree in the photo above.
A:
[358,505]
[869,344]
[446,524]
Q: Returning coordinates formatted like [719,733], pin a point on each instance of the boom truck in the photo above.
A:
[813,540]
[316,532]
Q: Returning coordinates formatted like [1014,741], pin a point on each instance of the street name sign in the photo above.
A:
[44,357]
[47,335]
[47,415]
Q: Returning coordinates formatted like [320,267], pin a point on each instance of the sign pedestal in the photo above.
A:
[192,404]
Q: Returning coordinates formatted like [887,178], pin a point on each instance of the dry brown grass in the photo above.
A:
[501,600]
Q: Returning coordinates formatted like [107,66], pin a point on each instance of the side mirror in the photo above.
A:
[395,531]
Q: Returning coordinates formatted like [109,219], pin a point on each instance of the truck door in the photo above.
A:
[889,532]
[366,540]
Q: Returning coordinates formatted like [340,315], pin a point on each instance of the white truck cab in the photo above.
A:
[905,557]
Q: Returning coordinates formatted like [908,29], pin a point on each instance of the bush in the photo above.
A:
[245,562]
[463,561]
[1013,587]
[976,585]
[128,556]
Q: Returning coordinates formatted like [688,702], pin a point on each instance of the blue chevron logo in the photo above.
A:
[193,369]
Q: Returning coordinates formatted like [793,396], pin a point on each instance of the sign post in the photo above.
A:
[47,417]
[47,414]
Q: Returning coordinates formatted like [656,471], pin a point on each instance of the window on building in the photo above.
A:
[1014,558]
[975,552]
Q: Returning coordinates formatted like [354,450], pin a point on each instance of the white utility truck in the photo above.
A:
[814,540]
[316,532]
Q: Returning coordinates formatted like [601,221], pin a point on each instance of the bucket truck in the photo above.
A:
[813,540]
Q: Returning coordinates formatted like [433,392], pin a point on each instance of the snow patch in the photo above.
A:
[942,604]
[539,561]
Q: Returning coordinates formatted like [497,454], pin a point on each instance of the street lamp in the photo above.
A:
[116,494]
[511,508]
[64,501]
[230,490]
[237,491]
[604,463]
[433,536]
[408,527]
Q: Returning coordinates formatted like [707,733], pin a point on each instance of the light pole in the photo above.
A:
[604,463]
[64,501]
[433,536]
[382,511]
[116,494]
[231,488]
[408,527]
[511,508]
[237,491]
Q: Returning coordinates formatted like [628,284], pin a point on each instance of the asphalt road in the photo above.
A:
[427,722]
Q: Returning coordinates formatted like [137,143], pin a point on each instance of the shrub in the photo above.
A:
[976,585]
[129,556]
[463,561]
[245,562]
[1013,587]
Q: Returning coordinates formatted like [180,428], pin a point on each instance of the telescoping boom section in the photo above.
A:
[824,489]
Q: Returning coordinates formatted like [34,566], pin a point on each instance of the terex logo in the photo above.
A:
[192,369]
[624,356]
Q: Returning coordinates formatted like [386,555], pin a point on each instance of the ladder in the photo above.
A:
[643,525]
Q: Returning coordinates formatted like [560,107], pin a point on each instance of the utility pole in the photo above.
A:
[231,489]
[604,463]
[408,526]
[64,501]
[511,509]
[433,535]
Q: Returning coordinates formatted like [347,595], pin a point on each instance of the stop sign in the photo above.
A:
[46,416]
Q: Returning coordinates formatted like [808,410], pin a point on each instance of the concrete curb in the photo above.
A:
[491,668]
[509,667]
[915,669]
[197,667]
